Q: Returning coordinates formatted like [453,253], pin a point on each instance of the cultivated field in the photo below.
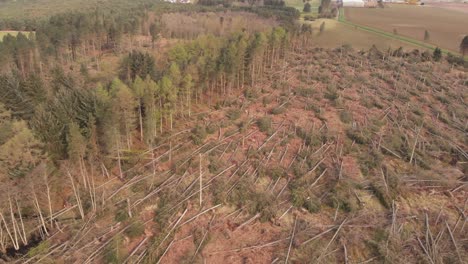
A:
[337,34]
[446,28]
[460,7]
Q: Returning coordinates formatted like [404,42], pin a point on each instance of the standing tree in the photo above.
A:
[426,35]
[139,92]
[77,149]
[152,115]
[322,27]
[155,30]
[124,104]
[464,46]
[21,153]
[187,85]
[168,94]
[437,55]
[307,8]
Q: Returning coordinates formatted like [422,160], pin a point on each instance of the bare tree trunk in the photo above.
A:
[41,217]
[141,121]
[2,240]
[48,199]
[13,220]
[201,183]
[77,197]
[15,243]
[83,172]
[25,241]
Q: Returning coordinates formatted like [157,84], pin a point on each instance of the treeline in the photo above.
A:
[26,16]
[65,38]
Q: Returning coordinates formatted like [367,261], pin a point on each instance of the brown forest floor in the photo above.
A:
[312,165]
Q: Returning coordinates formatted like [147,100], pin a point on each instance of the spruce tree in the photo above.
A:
[437,55]
[464,46]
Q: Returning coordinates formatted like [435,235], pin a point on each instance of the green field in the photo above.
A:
[4,33]
[338,34]
[31,9]
[299,5]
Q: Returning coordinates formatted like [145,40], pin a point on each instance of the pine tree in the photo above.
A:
[76,143]
[322,27]
[152,115]
[168,95]
[155,30]
[124,104]
[187,85]
[464,46]
[77,150]
[139,92]
[437,55]
[5,124]
[21,153]
[426,35]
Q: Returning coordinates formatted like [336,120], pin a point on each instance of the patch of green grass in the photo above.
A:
[40,249]
[264,124]
[135,229]
[234,114]
[198,134]
[13,33]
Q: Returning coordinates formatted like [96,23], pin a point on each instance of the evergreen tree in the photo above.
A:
[139,92]
[76,143]
[5,124]
[322,27]
[168,94]
[137,64]
[21,152]
[77,149]
[464,46]
[155,30]
[426,35]
[152,115]
[437,55]
[307,8]
[187,85]
[124,104]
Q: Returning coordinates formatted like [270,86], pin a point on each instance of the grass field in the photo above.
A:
[299,5]
[31,9]
[337,34]
[446,27]
[8,32]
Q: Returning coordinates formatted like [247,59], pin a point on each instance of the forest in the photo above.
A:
[127,138]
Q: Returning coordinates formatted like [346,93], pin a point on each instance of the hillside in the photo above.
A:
[216,143]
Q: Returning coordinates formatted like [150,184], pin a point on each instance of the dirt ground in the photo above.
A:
[446,27]
[460,7]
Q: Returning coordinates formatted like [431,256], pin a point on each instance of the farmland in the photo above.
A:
[338,34]
[446,28]
[299,5]
[29,9]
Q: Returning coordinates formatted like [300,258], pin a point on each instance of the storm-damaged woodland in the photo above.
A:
[238,143]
